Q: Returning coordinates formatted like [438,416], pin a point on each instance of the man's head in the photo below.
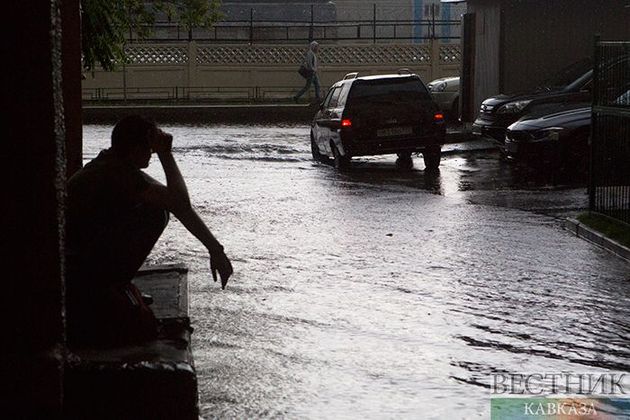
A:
[131,139]
[314,46]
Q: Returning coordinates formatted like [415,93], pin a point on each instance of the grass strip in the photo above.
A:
[612,228]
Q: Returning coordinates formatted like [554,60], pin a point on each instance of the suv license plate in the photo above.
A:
[394,131]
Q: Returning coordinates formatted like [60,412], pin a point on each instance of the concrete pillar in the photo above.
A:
[71,83]
[32,161]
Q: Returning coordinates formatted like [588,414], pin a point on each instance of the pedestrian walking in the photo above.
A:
[308,70]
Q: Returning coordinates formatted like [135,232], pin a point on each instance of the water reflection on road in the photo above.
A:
[380,293]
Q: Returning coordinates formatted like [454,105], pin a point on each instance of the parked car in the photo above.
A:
[572,84]
[559,139]
[376,115]
[445,93]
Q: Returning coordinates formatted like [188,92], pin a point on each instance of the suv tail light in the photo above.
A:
[346,122]
[438,117]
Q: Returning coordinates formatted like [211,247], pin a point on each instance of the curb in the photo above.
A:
[581,230]
[196,113]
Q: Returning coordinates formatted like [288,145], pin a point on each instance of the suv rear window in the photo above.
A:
[399,88]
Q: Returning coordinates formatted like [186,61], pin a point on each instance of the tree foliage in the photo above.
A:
[192,13]
[107,24]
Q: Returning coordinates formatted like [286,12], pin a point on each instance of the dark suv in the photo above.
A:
[376,115]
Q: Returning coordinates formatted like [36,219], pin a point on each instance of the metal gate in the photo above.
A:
[609,184]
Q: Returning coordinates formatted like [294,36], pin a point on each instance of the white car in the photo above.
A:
[445,93]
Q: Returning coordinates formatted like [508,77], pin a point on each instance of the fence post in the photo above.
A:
[593,136]
[433,21]
[192,66]
[251,26]
[374,23]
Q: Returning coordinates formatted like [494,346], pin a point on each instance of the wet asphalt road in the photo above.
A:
[378,293]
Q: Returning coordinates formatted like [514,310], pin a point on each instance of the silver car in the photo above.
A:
[445,92]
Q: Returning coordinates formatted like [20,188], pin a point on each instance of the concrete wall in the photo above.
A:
[255,72]
[542,37]
[32,161]
[520,43]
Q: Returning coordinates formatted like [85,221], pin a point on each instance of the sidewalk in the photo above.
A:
[585,232]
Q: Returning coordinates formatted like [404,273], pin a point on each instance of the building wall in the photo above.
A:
[272,12]
[404,10]
[278,10]
[542,37]
[434,9]
[364,10]
[355,10]
[487,54]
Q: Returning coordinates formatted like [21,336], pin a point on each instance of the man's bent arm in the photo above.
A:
[177,191]
[174,197]
[193,223]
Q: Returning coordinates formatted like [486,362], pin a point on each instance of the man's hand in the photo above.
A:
[161,142]
[220,263]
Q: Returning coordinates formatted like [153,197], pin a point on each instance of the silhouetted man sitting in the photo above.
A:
[115,214]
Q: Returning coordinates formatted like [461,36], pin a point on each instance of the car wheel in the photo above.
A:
[317,156]
[341,162]
[404,161]
[432,158]
[576,158]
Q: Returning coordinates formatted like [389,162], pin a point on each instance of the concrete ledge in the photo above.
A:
[579,229]
[153,380]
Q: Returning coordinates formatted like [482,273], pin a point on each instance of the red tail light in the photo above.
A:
[346,122]
[438,117]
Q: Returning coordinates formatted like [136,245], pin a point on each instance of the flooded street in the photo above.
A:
[380,293]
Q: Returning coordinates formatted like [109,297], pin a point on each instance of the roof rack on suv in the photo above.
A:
[404,70]
[351,76]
